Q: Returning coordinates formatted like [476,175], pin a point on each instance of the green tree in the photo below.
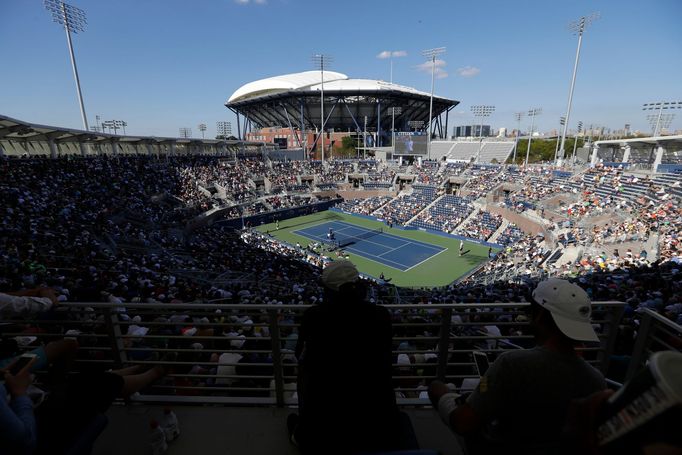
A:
[542,149]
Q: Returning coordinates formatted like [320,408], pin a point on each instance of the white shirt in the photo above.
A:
[12,304]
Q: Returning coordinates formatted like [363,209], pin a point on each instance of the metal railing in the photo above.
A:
[244,354]
[655,333]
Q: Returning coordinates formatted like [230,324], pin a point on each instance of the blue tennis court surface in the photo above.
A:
[393,251]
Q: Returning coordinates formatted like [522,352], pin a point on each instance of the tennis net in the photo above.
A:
[356,238]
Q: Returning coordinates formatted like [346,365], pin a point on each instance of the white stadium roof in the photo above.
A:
[283,83]
[310,80]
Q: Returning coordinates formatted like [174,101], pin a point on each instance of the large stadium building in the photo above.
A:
[292,102]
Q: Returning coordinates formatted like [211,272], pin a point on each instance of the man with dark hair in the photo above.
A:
[522,401]
[346,398]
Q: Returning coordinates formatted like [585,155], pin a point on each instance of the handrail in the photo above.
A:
[650,323]
[437,344]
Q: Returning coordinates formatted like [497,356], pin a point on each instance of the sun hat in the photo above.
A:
[569,306]
[339,273]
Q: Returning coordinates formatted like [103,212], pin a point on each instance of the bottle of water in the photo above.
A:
[157,439]
[170,425]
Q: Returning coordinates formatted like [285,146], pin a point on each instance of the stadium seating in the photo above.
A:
[445,215]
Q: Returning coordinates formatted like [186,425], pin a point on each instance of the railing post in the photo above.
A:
[114,330]
[640,344]
[444,344]
[613,319]
[276,357]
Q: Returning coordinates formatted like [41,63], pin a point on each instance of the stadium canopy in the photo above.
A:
[22,138]
[293,100]
[655,153]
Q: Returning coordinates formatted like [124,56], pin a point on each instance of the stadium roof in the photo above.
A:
[311,80]
[652,140]
[18,137]
[294,100]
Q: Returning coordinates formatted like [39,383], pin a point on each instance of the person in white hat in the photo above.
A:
[346,398]
[526,393]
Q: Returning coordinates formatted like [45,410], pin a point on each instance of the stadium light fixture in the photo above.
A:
[394,111]
[518,116]
[577,27]
[532,113]
[661,120]
[562,122]
[431,54]
[482,112]
[73,20]
[202,128]
[115,125]
[224,129]
[320,61]
[416,124]
[575,143]
[185,132]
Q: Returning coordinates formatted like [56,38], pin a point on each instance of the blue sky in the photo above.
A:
[165,64]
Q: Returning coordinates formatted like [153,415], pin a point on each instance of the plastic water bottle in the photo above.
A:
[157,440]
[170,425]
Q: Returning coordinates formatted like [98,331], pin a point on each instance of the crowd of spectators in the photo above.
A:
[336,171]
[446,214]
[364,206]
[482,226]
[404,207]
[99,230]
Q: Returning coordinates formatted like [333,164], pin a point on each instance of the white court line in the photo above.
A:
[307,227]
[300,231]
[396,265]
[403,239]
[367,255]
[427,259]
[393,249]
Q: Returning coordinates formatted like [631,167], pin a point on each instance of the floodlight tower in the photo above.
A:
[577,27]
[202,128]
[657,120]
[320,60]
[185,132]
[562,122]
[575,143]
[482,112]
[518,116]
[531,113]
[394,111]
[431,54]
[73,19]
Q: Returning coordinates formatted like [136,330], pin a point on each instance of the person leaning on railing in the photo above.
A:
[520,404]
[74,402]
[30,302]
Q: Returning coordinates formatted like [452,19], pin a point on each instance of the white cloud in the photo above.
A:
[468,71]
[439,65]
[426,66]
[388,54]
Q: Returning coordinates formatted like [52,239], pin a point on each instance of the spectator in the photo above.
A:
[528,392]
[346,400]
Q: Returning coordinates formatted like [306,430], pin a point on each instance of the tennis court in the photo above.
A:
[396,252]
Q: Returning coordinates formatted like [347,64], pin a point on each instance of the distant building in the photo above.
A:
[472,131]
[287,138]
[502,132]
